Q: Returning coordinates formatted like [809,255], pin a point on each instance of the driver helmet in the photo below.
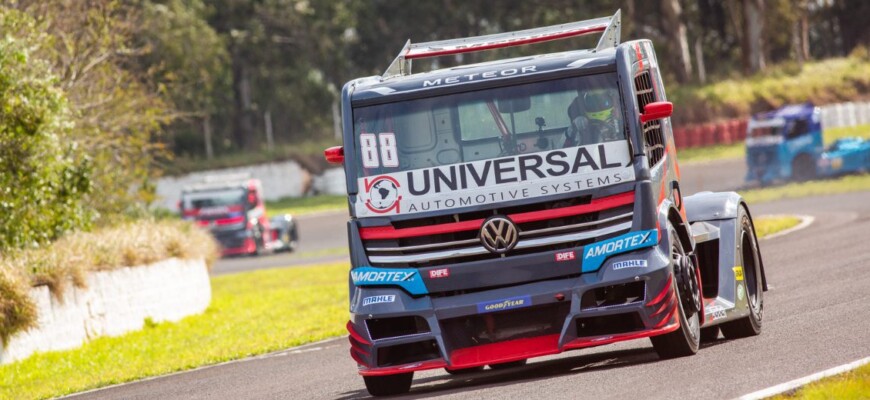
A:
[598,105]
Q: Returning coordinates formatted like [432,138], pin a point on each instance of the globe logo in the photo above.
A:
[383,195]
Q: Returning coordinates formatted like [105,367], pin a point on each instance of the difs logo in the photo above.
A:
[383,194]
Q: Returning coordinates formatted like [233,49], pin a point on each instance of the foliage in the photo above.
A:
[43,180]
[824,82]
[69,259]
[247,316]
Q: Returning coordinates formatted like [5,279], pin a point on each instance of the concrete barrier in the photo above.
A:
[114,302]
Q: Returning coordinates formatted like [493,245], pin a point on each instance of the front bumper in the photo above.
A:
[512,323]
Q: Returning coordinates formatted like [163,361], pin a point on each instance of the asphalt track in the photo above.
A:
[816,317]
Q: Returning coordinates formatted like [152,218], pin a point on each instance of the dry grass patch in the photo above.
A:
[69,259]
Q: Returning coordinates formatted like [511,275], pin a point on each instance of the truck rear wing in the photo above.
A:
[609,27]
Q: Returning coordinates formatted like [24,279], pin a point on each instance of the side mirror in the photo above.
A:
[334,155]
[657,110]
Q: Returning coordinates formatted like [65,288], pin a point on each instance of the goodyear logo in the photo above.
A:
[505,304]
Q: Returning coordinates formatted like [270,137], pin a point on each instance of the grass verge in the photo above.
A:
[306,205]
[846,184]
[251,313]
[768,225]
[854,384]
[738,150]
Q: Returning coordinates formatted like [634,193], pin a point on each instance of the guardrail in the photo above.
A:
[731,131]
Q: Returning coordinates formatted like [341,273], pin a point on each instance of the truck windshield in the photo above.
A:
[486,124]
[214,200]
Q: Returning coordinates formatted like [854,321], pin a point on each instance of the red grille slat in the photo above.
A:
[604,203]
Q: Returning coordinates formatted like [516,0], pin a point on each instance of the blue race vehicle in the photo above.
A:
[846,155]
[784,144]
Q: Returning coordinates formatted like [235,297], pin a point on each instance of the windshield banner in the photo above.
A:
[496,180]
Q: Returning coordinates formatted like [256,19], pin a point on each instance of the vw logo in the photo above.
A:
[498,235]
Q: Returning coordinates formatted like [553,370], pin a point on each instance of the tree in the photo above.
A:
[753,40]
[676,32]
[43,181]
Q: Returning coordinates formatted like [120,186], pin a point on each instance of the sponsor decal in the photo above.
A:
[497,180]
[717,312]
[741,292]
[478,76]
[595,254]
[388,298]
[505,304]
[408,279]
[738,273]
[566,256]
[630,264]
[439,273]
[383,194]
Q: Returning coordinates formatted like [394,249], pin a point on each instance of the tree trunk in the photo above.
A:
[753,42]
[699,58]
[676,29]
[243,126]
[206,129]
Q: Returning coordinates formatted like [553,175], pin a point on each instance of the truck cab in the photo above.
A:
[232,209]
[784,144]
[523,207]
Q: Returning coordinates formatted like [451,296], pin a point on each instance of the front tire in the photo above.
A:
[389,385]
[752,282]
[685,340]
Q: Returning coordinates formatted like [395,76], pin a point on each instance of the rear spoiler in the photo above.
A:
[609,27]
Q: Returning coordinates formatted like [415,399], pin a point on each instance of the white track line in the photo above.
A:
[791,385]
[806,220]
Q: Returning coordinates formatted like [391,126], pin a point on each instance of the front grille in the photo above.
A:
[535,236]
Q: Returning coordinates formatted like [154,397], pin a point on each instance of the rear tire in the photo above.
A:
[508,365]
[687,338]
[752,283]
[389,385]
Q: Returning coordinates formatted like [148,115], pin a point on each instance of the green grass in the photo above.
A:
[854,384]
[251,313]
[765,226]
[306,205]
[846,184]
[711,153]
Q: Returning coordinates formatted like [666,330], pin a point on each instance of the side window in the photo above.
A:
[798,127]
[653,138]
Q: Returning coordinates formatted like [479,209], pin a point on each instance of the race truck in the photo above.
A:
[232,209]
[519,208]
[784,144]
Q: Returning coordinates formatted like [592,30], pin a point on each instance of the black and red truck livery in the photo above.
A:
[523,207]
